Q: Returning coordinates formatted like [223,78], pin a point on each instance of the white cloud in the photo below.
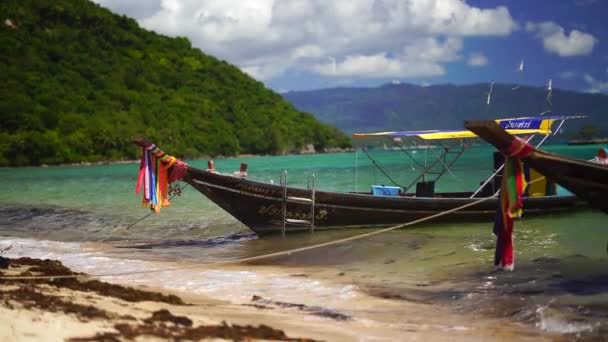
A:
[555,39]
[477,60]
[595,86]
[367,38]
[568,74]
[423,57]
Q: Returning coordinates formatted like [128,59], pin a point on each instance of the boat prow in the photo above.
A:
[586,179]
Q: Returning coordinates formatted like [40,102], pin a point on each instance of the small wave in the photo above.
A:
[557,321]
[65,224]
[478,246]
[207,243]
[236,284]
[57,223]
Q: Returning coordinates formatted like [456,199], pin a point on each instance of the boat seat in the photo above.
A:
[425,189]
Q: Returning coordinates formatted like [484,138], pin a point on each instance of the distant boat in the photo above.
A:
[588,141]
[278,208]
[586,179]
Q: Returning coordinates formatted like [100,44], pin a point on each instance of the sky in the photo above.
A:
[310,44]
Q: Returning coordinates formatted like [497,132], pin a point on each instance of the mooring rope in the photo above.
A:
[111,234]
[269,255]
[264,256]
[382,170]
[180,191]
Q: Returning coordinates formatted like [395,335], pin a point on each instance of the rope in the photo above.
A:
[269,255]
[111,234]
[181,189]
[446,167]
[382,170]
[407,153]
[264,256]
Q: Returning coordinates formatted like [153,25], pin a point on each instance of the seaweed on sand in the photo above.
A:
[56,268]
[29,298]
[164,325]
[31,294]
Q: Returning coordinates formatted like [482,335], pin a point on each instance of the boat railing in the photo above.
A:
[286,198]
[284,185]
[311,186]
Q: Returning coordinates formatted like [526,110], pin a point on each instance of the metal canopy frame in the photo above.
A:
[443,162]
[452,149]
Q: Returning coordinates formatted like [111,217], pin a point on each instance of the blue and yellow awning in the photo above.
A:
[515,126]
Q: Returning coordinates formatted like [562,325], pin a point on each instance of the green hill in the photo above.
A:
[77,81]
[411,107]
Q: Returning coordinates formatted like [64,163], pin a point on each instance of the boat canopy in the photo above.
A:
[514,126]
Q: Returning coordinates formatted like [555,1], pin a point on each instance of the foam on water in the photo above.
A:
[553,321]
[229,283]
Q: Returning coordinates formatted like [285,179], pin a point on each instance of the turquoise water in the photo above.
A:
[110,188]
[561,261]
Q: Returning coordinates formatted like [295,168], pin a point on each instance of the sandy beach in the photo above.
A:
[86,309]
[89,310]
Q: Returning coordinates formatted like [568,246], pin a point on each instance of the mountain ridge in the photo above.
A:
[407,106]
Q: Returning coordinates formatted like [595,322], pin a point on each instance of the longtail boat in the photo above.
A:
[586,179]
[273,208]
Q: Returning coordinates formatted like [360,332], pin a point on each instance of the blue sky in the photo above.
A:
[311,44]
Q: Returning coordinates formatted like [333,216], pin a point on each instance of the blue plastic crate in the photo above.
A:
[383,190]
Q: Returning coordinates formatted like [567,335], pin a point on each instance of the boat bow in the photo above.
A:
[587,180]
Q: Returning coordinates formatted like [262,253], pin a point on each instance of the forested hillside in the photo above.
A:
[411,107]
[77,81]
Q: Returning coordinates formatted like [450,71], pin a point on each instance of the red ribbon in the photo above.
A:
[519,149]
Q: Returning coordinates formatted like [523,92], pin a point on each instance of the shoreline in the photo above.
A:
[249,155]
[91,310]
[597,141]
[134,161]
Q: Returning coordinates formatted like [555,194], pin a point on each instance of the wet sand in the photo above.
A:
[91,310]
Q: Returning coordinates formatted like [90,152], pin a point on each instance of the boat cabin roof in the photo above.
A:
[515,126]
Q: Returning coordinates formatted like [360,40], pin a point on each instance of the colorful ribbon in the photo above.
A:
[511,204]
[155,173]
[519,148]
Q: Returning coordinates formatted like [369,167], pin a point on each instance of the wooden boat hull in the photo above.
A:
[260,205]
[587,180]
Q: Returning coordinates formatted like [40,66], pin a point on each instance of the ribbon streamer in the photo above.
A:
[156,170]
[511,204]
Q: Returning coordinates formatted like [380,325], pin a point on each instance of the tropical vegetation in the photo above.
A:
[77,82]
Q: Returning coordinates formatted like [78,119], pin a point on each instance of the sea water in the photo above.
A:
[90,218]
